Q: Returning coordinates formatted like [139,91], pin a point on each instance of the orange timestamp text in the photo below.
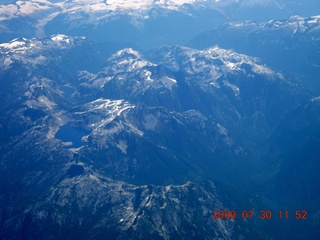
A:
[262,214]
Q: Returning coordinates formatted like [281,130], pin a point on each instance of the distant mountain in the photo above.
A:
[291,45]
[144,23]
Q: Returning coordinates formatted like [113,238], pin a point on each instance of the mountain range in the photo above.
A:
[108,133]
[143,24]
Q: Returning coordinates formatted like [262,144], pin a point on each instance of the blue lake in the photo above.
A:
[67,133]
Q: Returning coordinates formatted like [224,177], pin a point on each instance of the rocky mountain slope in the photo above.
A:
[291,45]
[107,133]
[136,121]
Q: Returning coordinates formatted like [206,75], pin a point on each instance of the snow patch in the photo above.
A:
[29,7]
[46,102]
[60,38]
[8,11]
[234,88]
[314,20]
[150,122]
[222,130]
[260,69]
[316,99]
[147,75]
[168,82]
[122,145]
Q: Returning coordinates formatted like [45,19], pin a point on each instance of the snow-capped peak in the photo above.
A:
[33,50]
[213,61]
[22,8]
[15,44]
[127,53]
[61,38]
[22,44]
[127,60]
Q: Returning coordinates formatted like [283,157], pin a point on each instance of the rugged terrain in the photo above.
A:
[106,133]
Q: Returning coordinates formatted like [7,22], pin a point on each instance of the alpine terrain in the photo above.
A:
[182,119]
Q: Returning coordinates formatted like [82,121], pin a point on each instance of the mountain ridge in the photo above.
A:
[111,128]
